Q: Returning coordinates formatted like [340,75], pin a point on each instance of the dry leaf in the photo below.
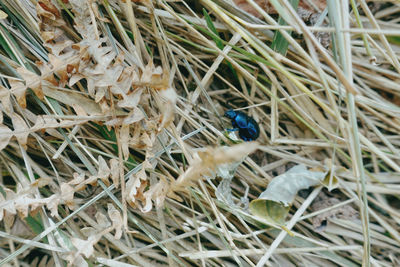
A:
[21,201]
[5,100]
[67,195]
[52,204]
[205,162]
[138,187]
[124,82]
[51,9]
[104,171]
[21,130]
[135,182]
[58,47]
[283,188]
[90,231]
[114,166]
[80,111]
[273,204]
[32,81]
[7,203]
[3,15]
[70,99]
[18,89]
[124,139]
[5,136]
[85,247]
[78,179]
[116,219]
[168,108]
[158,193]
[131,100]
[102,222]
[41,182]
[75,259]
[134,116]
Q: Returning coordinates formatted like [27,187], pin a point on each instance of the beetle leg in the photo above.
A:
[233,130]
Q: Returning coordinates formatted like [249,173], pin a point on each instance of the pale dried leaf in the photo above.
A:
[52,204]
[5,136]
[114,166]
[21,130]
[75,259]
[80,111]
[135,182]
[92,180]
[124,139]
[3,15]
[134,116]
[8,218]
[146,77]
[102,220]
[67,195]
[75,78]
[32,81]
[156,193]
[104,170]
[18,89]
[7,203]
[206,162]
[116,219]
[132,186]
[78,178]
[60,46]
[131,100]
[109,77]
[41,182]
[70,99]
[100,93]
[5,100]
[43,122]
[169,94]
[84,247]
[88,231]
[22,203]
[78,181]
[283,188]
[124,81]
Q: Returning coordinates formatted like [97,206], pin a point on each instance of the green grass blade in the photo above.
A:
[279,43]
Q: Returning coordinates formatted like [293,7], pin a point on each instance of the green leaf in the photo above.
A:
[2,191]
[393,39]
[330,181]
[35,224]
[269,210]
[211,26]
[217,39]
[279,42]
[6,47]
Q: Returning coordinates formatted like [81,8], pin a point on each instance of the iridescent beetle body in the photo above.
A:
[246,125]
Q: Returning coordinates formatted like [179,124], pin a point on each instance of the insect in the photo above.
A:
[246,125]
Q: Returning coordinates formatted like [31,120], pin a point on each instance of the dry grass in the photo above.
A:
[121,119]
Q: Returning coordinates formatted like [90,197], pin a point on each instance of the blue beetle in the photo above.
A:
[246,125]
